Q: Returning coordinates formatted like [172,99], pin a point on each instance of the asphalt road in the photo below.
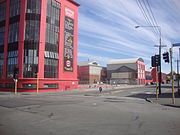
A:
[115,112]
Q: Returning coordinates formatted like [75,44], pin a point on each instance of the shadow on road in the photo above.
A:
[162,95]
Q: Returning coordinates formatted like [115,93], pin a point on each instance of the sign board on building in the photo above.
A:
[68,40]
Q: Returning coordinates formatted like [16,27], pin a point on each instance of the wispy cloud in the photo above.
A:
[107,29]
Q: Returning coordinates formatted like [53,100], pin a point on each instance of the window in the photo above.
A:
[32,30]
[2,11]
[2,29]
[51,85]
[1,64]
[13,32]
[12,62]
[33,6]
[50,68]
[31,45]
[14,7]
[52,39]
[30,59]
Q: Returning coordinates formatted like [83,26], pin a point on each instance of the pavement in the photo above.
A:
[165,98]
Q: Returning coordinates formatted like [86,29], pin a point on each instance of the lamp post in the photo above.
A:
[159,66]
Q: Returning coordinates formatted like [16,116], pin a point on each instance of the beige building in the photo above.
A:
[126,71]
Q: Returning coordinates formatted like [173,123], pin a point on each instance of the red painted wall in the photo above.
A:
[155,76]
[66,80]
[141,73]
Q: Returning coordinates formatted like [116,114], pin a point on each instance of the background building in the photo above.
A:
[89,72]
[154,75]
[39,38]
[126,71]
[148,76]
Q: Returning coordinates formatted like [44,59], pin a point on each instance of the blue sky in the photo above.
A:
[107,30]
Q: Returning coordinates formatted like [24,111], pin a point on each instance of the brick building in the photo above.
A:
[90,72]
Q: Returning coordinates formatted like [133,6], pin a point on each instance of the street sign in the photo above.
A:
[176,44]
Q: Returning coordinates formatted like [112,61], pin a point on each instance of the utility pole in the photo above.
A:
[172,78]
[160,45]
[178,74]
[159,65]
[160,76]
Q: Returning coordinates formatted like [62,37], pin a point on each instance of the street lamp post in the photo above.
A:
[160,45]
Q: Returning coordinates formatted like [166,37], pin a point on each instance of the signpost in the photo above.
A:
[15,88]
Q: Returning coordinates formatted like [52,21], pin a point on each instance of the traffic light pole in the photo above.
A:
[172,78]
[160,77]
[178,73]
[160,45]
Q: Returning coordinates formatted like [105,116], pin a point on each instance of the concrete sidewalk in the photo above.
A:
[165,99]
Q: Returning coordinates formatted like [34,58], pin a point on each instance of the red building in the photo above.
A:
[155,76]
[39,38]
[148,76]
[89,72]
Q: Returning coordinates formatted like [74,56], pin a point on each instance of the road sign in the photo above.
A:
[176,44]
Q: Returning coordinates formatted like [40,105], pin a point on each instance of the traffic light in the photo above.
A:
[166,57]
[155,61]
[15,74]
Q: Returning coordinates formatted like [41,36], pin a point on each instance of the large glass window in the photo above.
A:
[2,29]
[2,11]
[12,62]
[31,43]
[13,37]
[30,59]
[14,7]
[13,32]
[1,64]
[52,39]
[50,68]
[32,30]
[33,6]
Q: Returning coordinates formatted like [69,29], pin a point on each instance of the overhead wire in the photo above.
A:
[150,12]
[143,11]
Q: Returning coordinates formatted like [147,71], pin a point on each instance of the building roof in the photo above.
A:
[74,2]
[89,63]
[125,69]
[125,61]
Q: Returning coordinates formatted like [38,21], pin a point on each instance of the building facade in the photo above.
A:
[148,76]
[39,38]
[126,71]
[155,76]
[89,72]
